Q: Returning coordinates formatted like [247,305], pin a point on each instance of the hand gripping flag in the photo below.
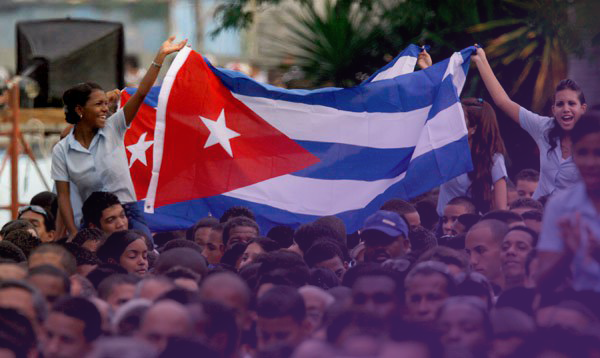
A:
[222,139]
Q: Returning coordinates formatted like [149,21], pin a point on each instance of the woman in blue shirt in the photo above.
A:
[552,134]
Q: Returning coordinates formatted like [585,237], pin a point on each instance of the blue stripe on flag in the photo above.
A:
[151,98]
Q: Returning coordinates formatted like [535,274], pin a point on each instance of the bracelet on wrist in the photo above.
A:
[156,64]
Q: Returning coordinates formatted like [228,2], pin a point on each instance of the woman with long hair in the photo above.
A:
[551,134]
[92,156]
[486,183]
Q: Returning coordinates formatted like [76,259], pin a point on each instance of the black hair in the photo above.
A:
[456,242]
[335,224]
[556,131]
[284,235]
[52,271]
[468,220]
[528,175]
[323,278]
[221,319]
[83,310]
[181,256]
[16,332]
[237,222]
[464,201]
[281,301]
[115,245]
[12,252]
[14,225]
[181,243]
[87,234]
[49,221]
[525,229]
[507,217]
[67,259]
[398,206]
[361,322]
[103,271]
[589,123]
[208,221]
[475,284]
[24,240]
[266,244]
[428,213]
[106,286]
[282,267]
[307,234]
[233,254]
[177,272]
[447,256]
[77,95]
[95,204]
[421,240]
[47,200]
[84,256]
[237,211]
[526,203]
[39,303]
[180,295]
[322,250]
[533,215]
[428,268]
[371,269]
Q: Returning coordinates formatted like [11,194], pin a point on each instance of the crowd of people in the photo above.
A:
[484,266]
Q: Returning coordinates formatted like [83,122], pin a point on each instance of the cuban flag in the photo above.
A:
[219,139]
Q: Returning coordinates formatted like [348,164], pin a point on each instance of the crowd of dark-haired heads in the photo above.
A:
[467,285]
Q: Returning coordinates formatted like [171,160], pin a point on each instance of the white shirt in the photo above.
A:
[101,167]
[555,172]
[459,186]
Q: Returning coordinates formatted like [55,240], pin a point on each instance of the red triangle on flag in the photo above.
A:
[202,118]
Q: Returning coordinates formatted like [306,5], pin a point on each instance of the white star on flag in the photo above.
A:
[219,133]
[138,150]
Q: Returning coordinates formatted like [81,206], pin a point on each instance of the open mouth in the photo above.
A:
[567,119]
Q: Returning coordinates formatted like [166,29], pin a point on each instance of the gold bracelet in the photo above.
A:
[156,64]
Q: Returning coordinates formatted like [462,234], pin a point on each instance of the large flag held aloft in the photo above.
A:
[216,138]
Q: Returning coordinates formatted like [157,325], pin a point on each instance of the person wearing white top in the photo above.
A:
[93,156]
[552,134]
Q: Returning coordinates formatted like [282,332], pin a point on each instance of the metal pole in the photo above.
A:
[14,149]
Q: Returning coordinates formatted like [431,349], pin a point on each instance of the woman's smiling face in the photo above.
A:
[95,110]
[567,108]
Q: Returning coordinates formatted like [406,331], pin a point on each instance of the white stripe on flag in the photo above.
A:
[404,65]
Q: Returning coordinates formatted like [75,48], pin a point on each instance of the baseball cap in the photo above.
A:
[387,222]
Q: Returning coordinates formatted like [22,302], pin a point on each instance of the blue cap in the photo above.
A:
[387,222]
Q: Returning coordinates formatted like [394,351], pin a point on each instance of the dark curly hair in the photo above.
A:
[75,96]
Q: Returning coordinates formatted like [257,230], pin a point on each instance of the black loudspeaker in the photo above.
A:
[61,53]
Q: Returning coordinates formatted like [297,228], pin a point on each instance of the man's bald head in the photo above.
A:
[164,320]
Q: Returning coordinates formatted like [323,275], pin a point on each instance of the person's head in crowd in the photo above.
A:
[255,247]
[120,346]
[428,214]
[214,248]
[232,257]
[50,281]
[465,324]
[284,235]
[456,261]
[47,200]
[281,317]
[385,235]
[421,240]
[10,252]
[26,299]
[239,229]
[464,223]
[152,287]
[412,340]
[127,318]
[17,337]
[427,286]
[10,270]
[336,224]
[551,342]
[508,217]
[585,137]
[356,326]
[485,142]
[230,290]
[90,238]
[104,211]
[215,323]
[183,277]
[281,267]
[72,326]
[82,287]
[237,211]
[456,207]
[307,234]
[181,243]
[533,220]
[405,210]
[128,249]
[317,301]
[374,289]
[568,313]
[526,181]
[516,245]
[103,271]
[42,221]
[483,244]
[164,320]
[24,240]
[184,257]
[522,205]
[323,278]
[326,254]
[54,255]
[15,225]
[511,329]
[117,289]
[200,232]
[476,285]
[86,260]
